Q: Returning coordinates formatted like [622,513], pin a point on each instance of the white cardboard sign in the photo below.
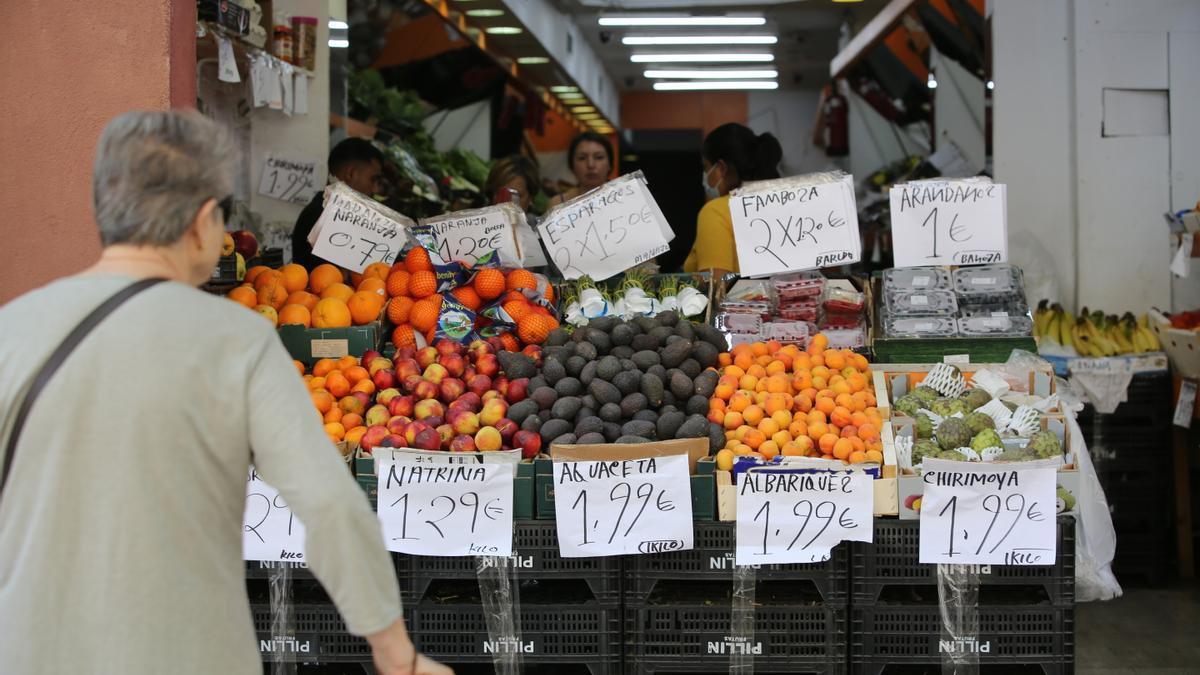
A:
[619,507]
[949,222]
[269,530]
[468,236]
[790,516]
[289,180]
[355,231]
[800,223]
[445,509]
[988,514]
[606,231]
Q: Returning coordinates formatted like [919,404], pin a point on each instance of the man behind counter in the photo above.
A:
[358,164]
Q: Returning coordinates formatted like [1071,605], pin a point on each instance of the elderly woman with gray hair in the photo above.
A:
[124,470]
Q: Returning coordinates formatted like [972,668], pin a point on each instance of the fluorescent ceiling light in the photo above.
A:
[338,25]
[532,60]
[587,117]
[647,20]
[339,44]
[563,89]
[503,30]
[711,74]
[485,13]
[583,109]
[991,85]
[572,98]
[931,82]
[717,84]
[700,40]
[698,58]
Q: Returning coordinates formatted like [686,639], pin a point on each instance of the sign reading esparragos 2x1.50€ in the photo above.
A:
[949,222]
[800,223]
[606,231]
[355,231]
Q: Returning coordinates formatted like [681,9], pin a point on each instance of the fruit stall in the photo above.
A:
[690,473]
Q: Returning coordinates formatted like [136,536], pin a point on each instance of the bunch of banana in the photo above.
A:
[1094,334]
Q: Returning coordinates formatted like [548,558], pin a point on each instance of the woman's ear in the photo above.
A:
[197,230]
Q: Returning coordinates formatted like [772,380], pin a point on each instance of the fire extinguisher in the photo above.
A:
[836,114]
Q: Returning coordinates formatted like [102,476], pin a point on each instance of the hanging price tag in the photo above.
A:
[606,231]
[1185,405]
[619,507]
[269,530]
[445,509]
[787,516]
[480,236]
[800,223]
[355,231]
[289,180]
[988,514]
[949,222]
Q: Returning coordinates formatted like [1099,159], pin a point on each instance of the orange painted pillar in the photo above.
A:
[67,69]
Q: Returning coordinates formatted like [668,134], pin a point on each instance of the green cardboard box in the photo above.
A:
[310,344]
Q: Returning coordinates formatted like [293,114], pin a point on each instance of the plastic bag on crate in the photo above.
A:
[1095,536]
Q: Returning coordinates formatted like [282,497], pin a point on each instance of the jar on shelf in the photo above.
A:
[281,46]
[304,36]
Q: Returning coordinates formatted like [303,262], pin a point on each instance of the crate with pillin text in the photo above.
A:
[888,571]
[673,665]
[317,635]
[262,569]
[1009,638]
[535,557]
[588,666]
[693,622]
[711,561]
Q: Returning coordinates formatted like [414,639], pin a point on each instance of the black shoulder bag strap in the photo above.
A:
[51,366]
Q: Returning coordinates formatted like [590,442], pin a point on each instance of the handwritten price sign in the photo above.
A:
[785,516]
[269,530]
[446,509]
[606,231]
[981,514]
[289,180]
[618,507]
[469,236]
[949,222]
[800,223]
[354,231]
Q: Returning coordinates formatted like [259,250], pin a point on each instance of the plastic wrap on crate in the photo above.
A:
[996,326]
[909,279]
[501,611]
[920,327]
[958,599]
[922,303]
[988,280]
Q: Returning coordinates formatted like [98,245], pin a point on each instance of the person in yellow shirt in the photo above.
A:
[732,154]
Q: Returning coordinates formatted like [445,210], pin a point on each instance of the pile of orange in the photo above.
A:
[414,303]
[780,400]
[317,299]
[332,385]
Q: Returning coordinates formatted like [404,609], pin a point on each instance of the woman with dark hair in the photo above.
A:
[515,172]
[591,160]
[732,154]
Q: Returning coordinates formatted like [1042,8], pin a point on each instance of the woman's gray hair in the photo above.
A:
[154,170]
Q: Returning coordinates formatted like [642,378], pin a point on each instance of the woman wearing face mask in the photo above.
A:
[732,154]
[591,158]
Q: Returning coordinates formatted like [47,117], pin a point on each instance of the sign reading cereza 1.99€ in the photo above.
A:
[355,231]
[949,222]
[606,231]
[800,223]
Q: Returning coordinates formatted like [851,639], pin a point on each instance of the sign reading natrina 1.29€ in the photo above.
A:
[800,223]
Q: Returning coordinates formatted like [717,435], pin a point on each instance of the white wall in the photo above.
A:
[1089,202]
[789,115]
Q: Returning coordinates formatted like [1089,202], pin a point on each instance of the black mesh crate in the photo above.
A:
[1008,635]
[653,666]
[697,637]
[319,635]
[271,257]
[611,666]
[712,558]
[549,634]
[888,571]
[535,558]
[225,270]
[262,569]
[934,667]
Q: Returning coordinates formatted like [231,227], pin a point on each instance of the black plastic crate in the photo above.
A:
[271,257]
[610,666]
[319,635]
[652,666]
[548,633]
[933,667]
[890,564]
[535,558]
[696,637]
[262,569]
[712,559]
[899,634]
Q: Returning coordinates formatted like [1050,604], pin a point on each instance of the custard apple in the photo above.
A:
[1016,455]
[922,449]
[946,407]
[927,395]
[979,421]
[976,398]
[1045,444]
[951,455]
[953,433]
[924,427]
[988,438]
[908,404]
